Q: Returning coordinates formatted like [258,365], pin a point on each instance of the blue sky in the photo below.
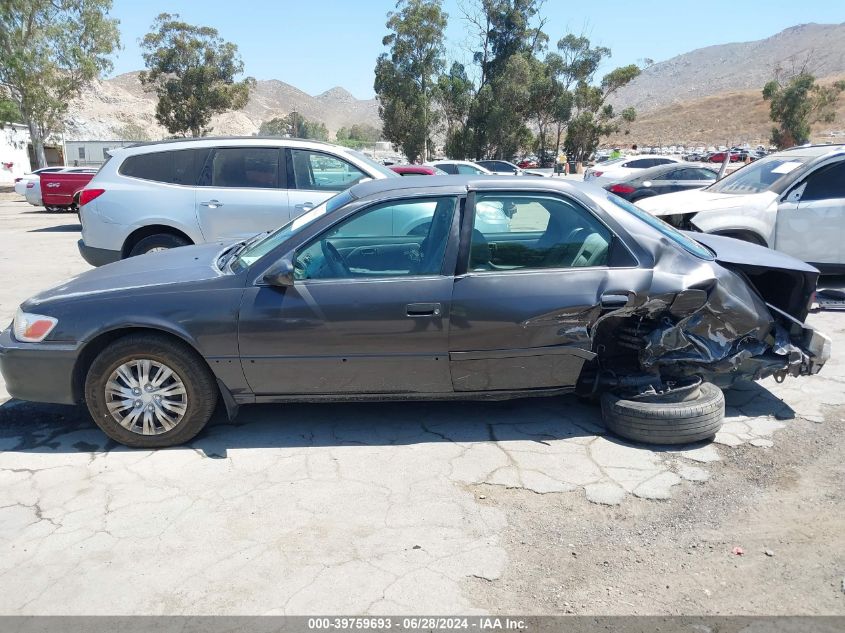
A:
[325,43]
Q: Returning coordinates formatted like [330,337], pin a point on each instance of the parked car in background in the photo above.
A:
[792,201]
[20,183]
[60,190]
[719,157]
[417,170]
[32,190]
[528,163]
[463,167]
[500,167]
[581,295]
[663,179]
[154,196]
[617,169]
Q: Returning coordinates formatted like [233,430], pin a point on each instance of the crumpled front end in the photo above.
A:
[721,330]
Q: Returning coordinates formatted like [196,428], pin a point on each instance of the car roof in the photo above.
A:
[645,173]
[214,141]
[814,151]
[464,183]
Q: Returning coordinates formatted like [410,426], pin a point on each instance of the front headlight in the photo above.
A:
[32,328]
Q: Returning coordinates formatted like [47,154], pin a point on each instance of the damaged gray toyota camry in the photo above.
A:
[407,289]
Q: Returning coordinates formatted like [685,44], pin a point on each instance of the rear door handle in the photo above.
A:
[423,309]
[211,204]
[613,300]
[305,206]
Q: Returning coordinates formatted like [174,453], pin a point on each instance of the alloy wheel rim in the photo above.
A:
[155,249]
[146,397]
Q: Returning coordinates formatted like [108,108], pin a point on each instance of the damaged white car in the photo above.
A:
[792,201]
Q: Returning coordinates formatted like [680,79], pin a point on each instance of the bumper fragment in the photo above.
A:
[97,256]
[38,372]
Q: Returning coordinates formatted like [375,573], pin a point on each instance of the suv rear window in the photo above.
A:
[175,167]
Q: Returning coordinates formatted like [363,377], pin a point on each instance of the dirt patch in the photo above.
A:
[783,507]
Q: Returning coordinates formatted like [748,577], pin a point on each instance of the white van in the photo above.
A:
[154,196]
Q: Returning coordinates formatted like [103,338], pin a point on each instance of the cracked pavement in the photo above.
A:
[318,509]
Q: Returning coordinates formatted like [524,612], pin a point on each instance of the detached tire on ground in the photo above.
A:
[150,391]
[157,242]
[696,418]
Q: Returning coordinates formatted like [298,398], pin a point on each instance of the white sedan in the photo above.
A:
[792,201]
[20,183]
[618,169]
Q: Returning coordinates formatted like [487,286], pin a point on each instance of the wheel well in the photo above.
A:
[145,231]
[745,235]
[99,343]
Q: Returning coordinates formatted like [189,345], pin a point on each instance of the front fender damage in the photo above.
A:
[719,329]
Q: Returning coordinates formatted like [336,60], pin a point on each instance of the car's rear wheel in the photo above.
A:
[156,243]
[693,416]
[149,391]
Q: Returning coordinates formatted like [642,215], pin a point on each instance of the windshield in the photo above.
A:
[760,175]
[375,165]
[687,243]
[263,246]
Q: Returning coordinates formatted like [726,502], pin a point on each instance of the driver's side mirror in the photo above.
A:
[280,274]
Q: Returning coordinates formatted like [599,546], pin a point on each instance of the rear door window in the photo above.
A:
[243,168]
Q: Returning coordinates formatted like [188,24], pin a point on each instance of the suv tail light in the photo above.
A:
[87,195]
[596,174]
[30,184]
[620,188]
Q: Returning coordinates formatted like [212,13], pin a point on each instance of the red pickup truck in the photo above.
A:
[60,190]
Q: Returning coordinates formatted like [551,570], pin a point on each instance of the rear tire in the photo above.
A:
[190,393]
[661,422]
[157,242]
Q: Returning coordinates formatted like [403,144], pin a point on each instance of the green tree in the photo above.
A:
[49,51]
[192,71]
[796,103]
[507,39]
[294,125]
[405,77]
[9,112]
[592,118]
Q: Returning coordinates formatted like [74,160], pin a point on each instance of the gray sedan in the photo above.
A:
[580,292]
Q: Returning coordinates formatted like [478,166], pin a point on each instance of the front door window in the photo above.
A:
[399,238]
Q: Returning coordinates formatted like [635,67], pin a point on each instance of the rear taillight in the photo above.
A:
[597,173]
[87,195]
[622,189]
[30,185]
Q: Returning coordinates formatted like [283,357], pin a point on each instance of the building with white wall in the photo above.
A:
[14,152]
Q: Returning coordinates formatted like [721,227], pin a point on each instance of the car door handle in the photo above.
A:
[613,300]
[305,206]
[423,309]
[211,204]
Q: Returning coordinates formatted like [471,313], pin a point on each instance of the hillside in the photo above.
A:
[738,66]
[109,106]
[728,118]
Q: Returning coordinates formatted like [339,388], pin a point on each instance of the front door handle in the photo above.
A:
[211,204]
[305,206]
[613,300]
[423,309]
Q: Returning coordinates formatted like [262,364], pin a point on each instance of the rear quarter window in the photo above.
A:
[175,167]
